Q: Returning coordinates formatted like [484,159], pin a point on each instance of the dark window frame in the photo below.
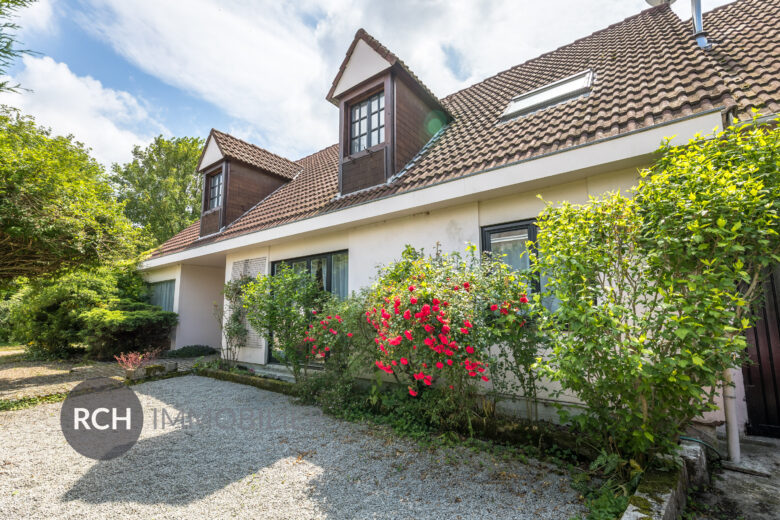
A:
[381,116]
[218,199]
[528,225]
[328,285]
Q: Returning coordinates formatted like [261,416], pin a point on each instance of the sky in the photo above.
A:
[117,73]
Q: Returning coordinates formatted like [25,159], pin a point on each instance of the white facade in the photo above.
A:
[449,214]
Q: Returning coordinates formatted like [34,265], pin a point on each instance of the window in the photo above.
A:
[215,191]
[511,240]
[161,294]
[367,123]
[548,95]
[514,240]
[330,270]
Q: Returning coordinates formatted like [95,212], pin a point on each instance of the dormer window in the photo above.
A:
[367,123]
[214,190]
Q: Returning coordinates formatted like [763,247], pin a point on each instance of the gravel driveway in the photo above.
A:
[283,461]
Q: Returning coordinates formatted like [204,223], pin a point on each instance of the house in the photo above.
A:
[411,167]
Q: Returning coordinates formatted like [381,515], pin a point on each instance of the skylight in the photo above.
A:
[548,95]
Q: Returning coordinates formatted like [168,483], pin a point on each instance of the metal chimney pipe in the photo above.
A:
[698,25]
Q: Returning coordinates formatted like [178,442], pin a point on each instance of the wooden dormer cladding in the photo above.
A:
[412,114]
[244,173]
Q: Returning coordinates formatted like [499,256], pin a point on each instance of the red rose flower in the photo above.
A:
[404,361]
[407,314]
[349,334]
[523,299]
[439,365]
[412,300]
[411,288]
[412,392]
[408,335]
[469,349]
[494,307]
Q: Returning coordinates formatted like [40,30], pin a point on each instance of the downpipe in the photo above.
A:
[730,411]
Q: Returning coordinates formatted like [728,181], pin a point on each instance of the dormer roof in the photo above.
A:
[366,57]
[220,145]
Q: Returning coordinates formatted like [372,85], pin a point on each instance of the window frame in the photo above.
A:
[366,98]
[529,225]
[220,197]
[328,285]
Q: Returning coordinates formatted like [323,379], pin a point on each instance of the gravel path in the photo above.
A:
[35,378]
[295,464]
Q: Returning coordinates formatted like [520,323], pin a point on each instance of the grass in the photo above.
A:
[8,405]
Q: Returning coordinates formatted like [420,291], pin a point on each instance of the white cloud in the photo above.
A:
[108,121]
[269,64]
[38,17]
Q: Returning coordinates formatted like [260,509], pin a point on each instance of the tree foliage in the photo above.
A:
[656,290]
[160,187]
[8,44]
[57,210]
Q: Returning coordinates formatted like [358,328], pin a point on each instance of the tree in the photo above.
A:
[160,188]
[8,50]
[57,209]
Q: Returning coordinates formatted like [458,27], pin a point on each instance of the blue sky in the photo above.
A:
[115,73]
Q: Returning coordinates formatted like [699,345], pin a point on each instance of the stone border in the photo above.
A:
[272,385]
[661,495]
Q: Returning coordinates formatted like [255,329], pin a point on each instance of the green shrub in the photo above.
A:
[232,319]
[656,291]
[47,314]
[109,331]
[190,351]
[279,308]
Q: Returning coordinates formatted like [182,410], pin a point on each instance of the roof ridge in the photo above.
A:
[296,161]
[214,130]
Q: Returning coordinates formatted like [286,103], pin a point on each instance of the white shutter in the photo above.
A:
[250,267]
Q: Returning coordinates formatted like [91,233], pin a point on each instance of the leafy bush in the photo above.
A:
[656,291]
[109,331]
[190,351]
[279,308]
[340,338]
[435,320]
[48,314]
[135,360]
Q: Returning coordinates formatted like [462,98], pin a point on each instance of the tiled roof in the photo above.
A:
[748,50]
[648,70]
[182,239]
[234,148]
